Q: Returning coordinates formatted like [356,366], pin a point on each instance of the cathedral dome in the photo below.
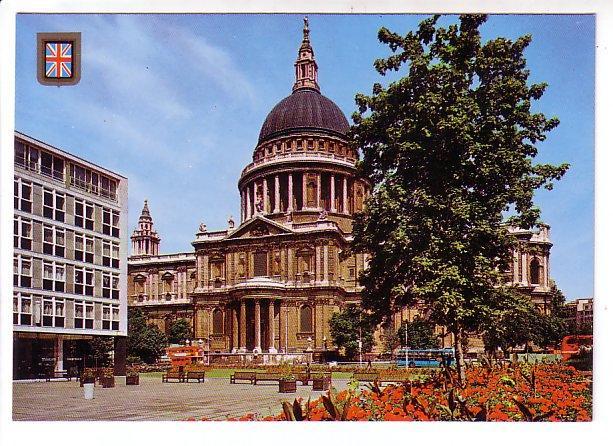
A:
[304,109]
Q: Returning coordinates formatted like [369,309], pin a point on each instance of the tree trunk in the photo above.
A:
[458,337]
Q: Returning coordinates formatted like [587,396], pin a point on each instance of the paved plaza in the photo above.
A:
[216,399]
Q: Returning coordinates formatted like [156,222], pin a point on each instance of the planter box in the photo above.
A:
[107,381]
[132,380]
[87,381]
[287,386]
[321,383]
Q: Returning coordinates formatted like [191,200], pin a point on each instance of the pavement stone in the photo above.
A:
[152,400]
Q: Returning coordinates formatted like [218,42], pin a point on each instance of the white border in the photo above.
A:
[267,433]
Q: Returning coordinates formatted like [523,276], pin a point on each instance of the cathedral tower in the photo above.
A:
[145,241]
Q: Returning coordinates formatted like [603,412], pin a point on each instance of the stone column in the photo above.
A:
[345,196]
[248,200]
[205,270]
[290,192]
[326,267]
[317,263]
[234,329]
[318,200]
[524,269]
[255,197]
[265,201]
[120,354]
[258,328]
[271,326]
[185,283]
[332,194]
[243,327]
[283,327]
[304,190]
[59,353]
[277,195]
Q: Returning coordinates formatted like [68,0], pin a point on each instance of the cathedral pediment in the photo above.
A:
[259,227]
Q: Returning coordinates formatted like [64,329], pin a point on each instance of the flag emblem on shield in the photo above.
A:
[58,59]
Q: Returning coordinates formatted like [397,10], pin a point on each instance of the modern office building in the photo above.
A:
[70,259]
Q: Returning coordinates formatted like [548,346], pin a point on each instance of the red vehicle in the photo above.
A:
[571,345]
[182,356]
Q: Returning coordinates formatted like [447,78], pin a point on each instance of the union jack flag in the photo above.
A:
[58,59]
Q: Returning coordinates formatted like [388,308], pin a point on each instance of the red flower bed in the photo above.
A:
[499,393]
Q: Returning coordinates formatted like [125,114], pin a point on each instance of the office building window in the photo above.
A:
[110,317]
[83,281]
[83,248]
[110,285]
[53,205]
[22,195]
[110,222]
[22,271]
[22,309]
[110,254]
[26,157]
[53,312]
[51,166]
[22,233]
[54,241]
[84,214]
[108,188]
[54,276]
[84,315]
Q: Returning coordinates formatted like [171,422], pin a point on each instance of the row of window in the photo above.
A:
[308,144]
[54,243]
[40,161]
[54,208]
[54,313]
[54,278]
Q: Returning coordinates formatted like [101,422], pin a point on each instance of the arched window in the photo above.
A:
[217,321]
[306,319]
[535,271]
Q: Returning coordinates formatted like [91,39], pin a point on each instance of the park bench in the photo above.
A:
[365,376]
[172,375]
[267,377]
[58,374]
[242,376]
[199,376]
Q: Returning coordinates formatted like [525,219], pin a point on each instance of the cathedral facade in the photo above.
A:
[271,282]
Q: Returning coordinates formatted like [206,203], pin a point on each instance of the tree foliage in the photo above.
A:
[101,348]
[348,326]
[146,342]
[419,334]
[449,150]
[180,330]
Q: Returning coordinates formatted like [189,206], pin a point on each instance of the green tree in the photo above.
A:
[449,150]
[180,330]
[348,326]
[101,348]
[419,333]
[146,342]
[389,338]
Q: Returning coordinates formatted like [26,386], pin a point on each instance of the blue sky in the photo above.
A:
[175,103]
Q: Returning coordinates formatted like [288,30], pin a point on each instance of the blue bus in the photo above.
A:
[425,358]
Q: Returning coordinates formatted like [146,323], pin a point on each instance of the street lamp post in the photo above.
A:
[286,327]
[406,345]
[360,346]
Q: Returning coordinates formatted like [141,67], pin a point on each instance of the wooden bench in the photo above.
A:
[242,376]
[58,374]
[176,376]
[267,377]
[199,376]
[365,376]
